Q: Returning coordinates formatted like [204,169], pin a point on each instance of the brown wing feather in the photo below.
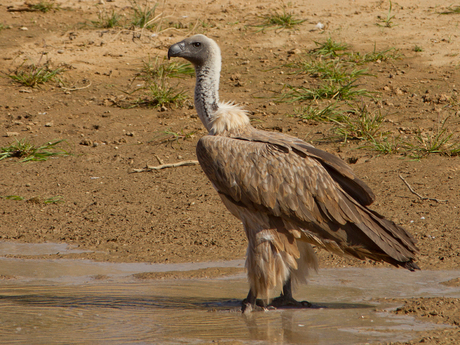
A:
[298,188]
[336,167]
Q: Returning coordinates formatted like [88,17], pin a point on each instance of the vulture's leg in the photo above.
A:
[248,303]
[251,303]
[286,299]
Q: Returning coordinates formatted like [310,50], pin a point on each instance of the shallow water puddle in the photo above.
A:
[79,301]
[11,248]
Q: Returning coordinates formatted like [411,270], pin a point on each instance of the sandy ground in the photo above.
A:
[174,215]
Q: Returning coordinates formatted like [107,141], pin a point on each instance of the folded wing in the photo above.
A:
[287,178]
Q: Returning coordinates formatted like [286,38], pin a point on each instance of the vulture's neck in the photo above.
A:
[217,117]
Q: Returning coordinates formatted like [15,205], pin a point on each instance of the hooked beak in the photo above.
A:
[175,50]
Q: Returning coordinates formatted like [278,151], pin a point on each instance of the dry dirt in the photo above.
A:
[174,215]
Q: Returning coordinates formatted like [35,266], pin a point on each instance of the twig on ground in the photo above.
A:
[159,160]
[421,197]
[75,88]
[21,8]
[164,166]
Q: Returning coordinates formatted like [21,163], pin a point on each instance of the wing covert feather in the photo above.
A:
[336,167]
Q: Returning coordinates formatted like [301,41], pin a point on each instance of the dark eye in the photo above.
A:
[196,44]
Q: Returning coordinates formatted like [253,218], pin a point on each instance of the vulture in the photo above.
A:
[288,194]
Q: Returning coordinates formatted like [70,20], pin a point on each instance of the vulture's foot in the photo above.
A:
[248,306]
[284,301]
[251,303]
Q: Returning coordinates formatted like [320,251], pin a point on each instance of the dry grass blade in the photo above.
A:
[165,166]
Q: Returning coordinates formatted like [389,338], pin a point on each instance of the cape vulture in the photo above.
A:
[288,194]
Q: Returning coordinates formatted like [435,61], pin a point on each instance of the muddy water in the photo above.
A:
[77,301]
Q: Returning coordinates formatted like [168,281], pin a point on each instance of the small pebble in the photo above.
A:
[86,142]
[319,26]
[294,51]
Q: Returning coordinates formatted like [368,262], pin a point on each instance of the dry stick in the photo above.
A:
[164,166]
[75,88]
[159,160]
[414,192]
[21,9]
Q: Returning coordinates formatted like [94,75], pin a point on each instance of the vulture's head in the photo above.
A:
[197,49]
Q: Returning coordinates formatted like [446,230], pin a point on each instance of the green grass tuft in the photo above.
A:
[332,70]
[384,144]
[29,152]
[358,123]
[315,113]
[452,10]
[158,94]
[438,141]
[3,27]
[12,197]
[384,55]
[143,16]
[54,200]
[388,21]
[33,75]
[279,20]
[326,90]
[329,48]
[169,136]
[44,6]
[157,69]
[107,20]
